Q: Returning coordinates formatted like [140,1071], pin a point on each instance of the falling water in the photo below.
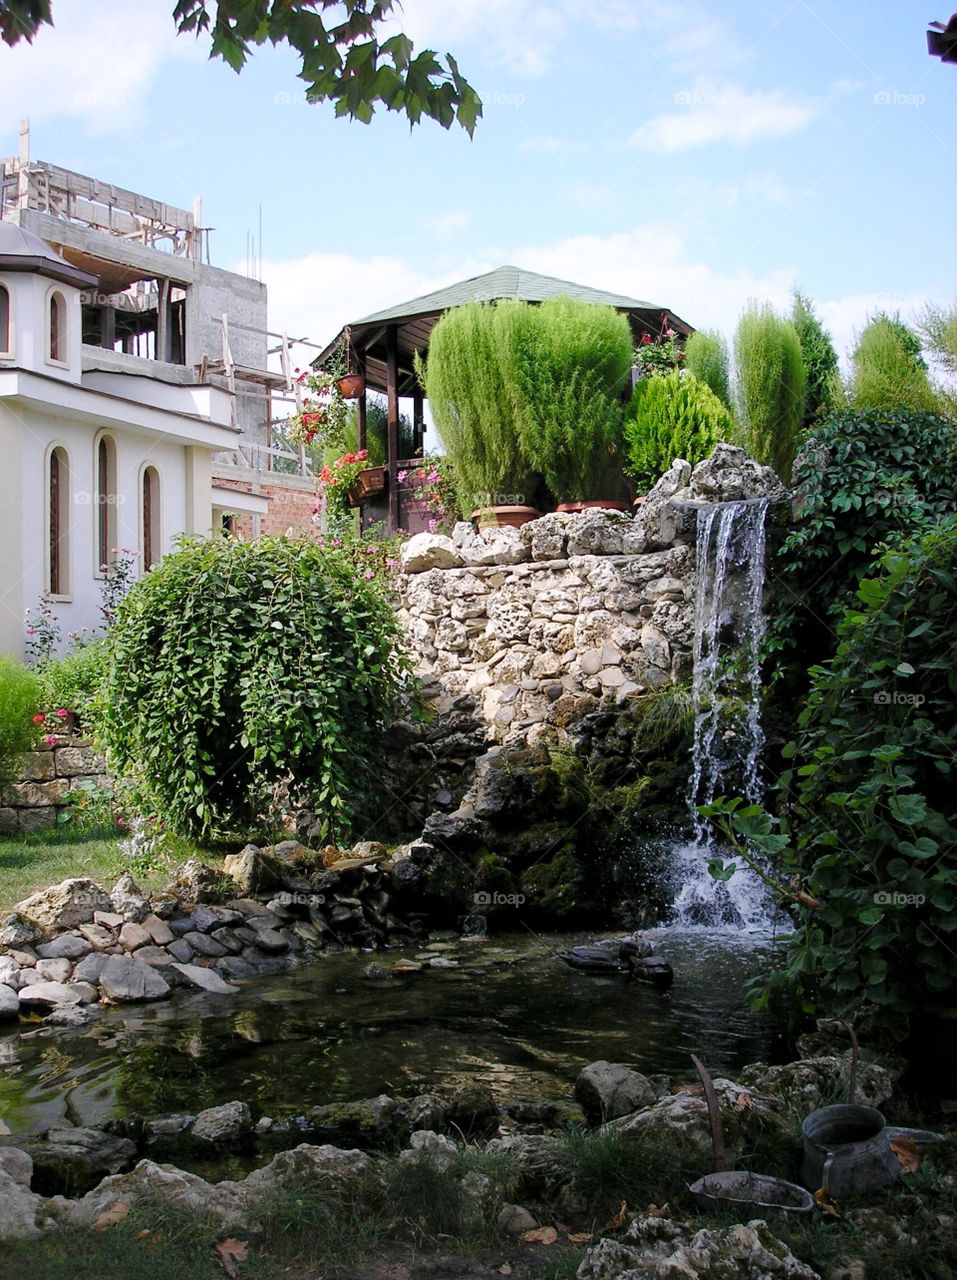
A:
[726,691]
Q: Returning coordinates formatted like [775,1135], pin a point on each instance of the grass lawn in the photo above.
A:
[35,861]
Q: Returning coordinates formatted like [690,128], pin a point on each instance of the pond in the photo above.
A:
[511,1014]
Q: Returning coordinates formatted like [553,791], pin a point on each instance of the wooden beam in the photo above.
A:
[392,424]
[362,404]
[418,422]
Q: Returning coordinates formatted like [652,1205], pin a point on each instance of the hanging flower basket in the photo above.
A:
[367,484]
[351,386]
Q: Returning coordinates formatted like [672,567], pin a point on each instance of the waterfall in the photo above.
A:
[729,626]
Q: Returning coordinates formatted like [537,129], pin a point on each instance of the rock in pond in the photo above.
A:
[608,1090]
[125,979]
[205,979]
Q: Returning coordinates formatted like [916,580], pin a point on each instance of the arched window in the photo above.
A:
[58,522]
[57,334]
[6,328]
[150,517]
[106,502]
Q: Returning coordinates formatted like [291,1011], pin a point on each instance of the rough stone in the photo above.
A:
[195,882]
[72,1161]
[608,1090]
[434,1147]
[230,1123]
[17,932]
[128,900]
[205,979]
[18,1208]
[76,762]
[133,936]
[63,905]
[425,551]
[48,994]
[125,979]
[9,1002]
[54,970]
[810,1083]
[66,947]
[251,871]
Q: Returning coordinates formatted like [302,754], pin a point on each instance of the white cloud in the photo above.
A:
[553,146]
[96,65]
[724,113]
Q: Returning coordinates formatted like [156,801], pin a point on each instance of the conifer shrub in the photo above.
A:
[770,385]
[672,416]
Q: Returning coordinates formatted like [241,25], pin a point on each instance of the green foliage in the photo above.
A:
[343,60]
[865,479]
[823,391]
[871,827]
[706,358]
[770,386]
[672,416]
[72,682]
[568,363]
[938,329]
[655,356]
[19,700]
[242,667]
[472,400]
[887,369]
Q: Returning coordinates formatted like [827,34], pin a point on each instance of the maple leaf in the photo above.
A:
[230,1253]
[908,1154]
[541,1235]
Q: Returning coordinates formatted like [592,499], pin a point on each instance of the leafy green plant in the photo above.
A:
[706,358]
[869,845]
[661,355]
[938,329]
[568,362]
[471,393]
[887,369]
[242,669]
[770,385]
[71,683]
[865,479]
[19,698]
[88,807]
[672,416]
[823,391]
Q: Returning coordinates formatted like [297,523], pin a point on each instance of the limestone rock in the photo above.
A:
[205,979]
[125,979]
[9,1002]
[251,870]
[71,1161]
[597,532]
[128,900]
[17,1164]
[609,1090]
[62,906]
[729,475]
[8,971]
[424,551]
[195,882]
[223,1201]
[18,1207]
[230,1123]
[493,546]
[366,1123]
[48,994]
[310,1166]
[434,1147]
[810,1083]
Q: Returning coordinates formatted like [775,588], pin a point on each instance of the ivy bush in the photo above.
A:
[867,478]
[871,803]
[240,668]
[672,416]
[19,700]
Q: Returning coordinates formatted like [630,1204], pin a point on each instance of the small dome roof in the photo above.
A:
[22,250]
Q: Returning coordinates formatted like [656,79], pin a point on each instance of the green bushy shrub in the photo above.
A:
[769,385]
[471,395]
[870,800]
[823,391]
[242,667]
[887,369]
[706,358]
[568,363]
[72,682]
[672,416]
[19,702]
[867,478]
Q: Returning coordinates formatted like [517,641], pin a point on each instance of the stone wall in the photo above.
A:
[46,776]
[571,609]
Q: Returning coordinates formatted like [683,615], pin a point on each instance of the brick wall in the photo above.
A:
[290,504]
[46,776]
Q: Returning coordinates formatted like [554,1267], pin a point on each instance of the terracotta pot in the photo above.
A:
[608,503]
[351,386]
[504,517]
[366,485]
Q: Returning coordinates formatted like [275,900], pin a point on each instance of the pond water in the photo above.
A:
[512,1015]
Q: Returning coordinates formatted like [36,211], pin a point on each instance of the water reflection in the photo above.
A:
[511,1014]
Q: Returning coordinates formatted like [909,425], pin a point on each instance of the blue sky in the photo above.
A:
[692,154]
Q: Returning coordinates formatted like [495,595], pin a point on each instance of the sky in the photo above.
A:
[691,154]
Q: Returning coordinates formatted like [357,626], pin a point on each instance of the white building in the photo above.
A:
[91,459]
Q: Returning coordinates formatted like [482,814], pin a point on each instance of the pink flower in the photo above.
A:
[50,739]
[433,525]
[391,564]
[433,476]
[62,713]
[401,476]
[369,573]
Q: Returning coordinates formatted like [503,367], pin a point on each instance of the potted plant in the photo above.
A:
[350,385]
[469,385]
[570,363]
[323,412]
[347,482]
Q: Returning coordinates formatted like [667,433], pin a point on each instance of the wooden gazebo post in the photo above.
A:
[361,405]
[418,422]
[392,422]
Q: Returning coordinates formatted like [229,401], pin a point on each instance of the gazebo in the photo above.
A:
[383,345]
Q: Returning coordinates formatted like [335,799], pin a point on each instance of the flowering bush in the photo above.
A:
[335,482]
[118,577]
[373,559]
[434,489]
[324,412]
[661,356]
[43,633]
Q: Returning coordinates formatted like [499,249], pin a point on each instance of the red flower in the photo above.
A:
[39,719]
[645,339]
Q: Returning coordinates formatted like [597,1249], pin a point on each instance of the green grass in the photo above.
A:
[35,861]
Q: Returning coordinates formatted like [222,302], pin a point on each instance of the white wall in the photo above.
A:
[133,451]
[30,296]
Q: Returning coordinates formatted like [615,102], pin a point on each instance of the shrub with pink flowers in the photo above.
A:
[659,356]
[433,490]
[336,480]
